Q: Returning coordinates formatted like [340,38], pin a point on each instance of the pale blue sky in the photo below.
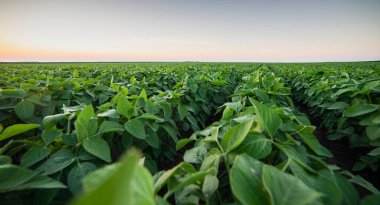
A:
[324,30]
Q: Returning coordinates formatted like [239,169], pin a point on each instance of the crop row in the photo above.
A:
[88,118]
[347,99]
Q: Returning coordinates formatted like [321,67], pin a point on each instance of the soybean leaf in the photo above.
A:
[350,195]
[245,179]
[195,155]
[307,136]
[110,126]
[86,125]
[86,114]
[337,106]
[267,118]
[76,175]
[81,130]
[235,135]
[359,109]
[163,179]
[373,132]
[210,185]
[125,108]
[151,117]
[172,131]
[98,147]
[41,182]
[362,182]
[189,179]
[34,155]
[56,162]
[50,134]
[152,139]
[24,109]
[182,111]
[286,189]
[13,177]
[183,142]
[255,145]
[112,113]
[193,122]
[375,152]
[16,129]
[52,120]
[212,159]
[125,183]
[136,128]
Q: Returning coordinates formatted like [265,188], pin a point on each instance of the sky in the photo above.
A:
[190,30]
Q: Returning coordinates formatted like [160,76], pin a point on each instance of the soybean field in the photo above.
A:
[190,133]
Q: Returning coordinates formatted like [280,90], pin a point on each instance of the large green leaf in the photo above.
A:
[24,109]
[34,155]
[195,155]
[172,131]
[182,111]
[210,185]
[124,183]
[297,153]
[86,124]
[76,175]
[256,146]
[236,135]
[152,139]
[306,133]
[52,120]
[193,122]
[151,117]
[125,108]
[41,182]
[358,109]
[186,181]
[269,119]
[350,195]
[245,180]
[136,128]
[337,106]
[286,189]
[98,147]
[212,159]
[110,126]
[112,113]
[373,132]
[56,162]
[163,179]
[324,182]
[50,134]
[13,177]
[86,114]
[16,129]
[81,130]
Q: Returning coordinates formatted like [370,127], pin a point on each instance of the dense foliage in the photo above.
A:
[64,129]
[347,99]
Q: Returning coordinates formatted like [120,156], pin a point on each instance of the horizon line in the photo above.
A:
[189,61]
